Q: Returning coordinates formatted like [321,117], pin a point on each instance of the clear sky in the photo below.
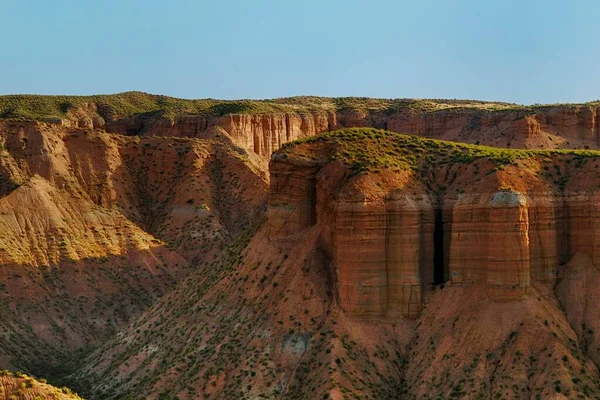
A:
[522,51]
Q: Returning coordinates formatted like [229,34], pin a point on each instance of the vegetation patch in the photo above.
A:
[129,104]
[367,149]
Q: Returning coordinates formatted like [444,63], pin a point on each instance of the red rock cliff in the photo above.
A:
[395,235]
[550,127]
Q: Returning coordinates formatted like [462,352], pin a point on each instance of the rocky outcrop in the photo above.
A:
[397,235]
[383,246]
[490,240]
[467,243]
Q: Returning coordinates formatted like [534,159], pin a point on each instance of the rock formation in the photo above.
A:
[320,301]
[387,266]
[396,235]
[551,127]
[264,126]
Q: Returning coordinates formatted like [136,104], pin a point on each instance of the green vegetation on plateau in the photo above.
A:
[128,104]
[368,149]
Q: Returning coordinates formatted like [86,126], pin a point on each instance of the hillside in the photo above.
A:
[20,386]
[389,266]
[95,227]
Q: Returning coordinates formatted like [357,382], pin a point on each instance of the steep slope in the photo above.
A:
[388,267]
[95,227]
[260,323]
[72,273]
[468,346]
[577,291]
[158,183]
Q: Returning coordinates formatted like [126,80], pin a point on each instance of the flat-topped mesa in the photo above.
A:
[263,126]
[553,127]
[395,234]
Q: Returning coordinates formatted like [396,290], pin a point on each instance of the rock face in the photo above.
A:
[490,239]
[380,249]
[262,133]
[397,235]
[292,200]
[549,127]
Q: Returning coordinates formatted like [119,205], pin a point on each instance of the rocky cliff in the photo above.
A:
[263,126]
[447,215]
[549,127]
[387,265]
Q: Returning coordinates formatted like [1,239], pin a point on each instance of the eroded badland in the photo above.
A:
[307,247]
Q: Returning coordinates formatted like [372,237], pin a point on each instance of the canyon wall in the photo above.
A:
[393,240]
[549,127]
[383,251]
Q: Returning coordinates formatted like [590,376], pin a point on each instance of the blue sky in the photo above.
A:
[519,51]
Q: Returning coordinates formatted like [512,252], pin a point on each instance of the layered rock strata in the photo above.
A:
[490,239]
[568,126]
[396,236]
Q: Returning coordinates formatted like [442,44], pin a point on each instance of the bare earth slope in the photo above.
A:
[95,227]
[388,267]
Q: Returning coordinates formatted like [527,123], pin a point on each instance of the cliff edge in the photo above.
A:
[263,126]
